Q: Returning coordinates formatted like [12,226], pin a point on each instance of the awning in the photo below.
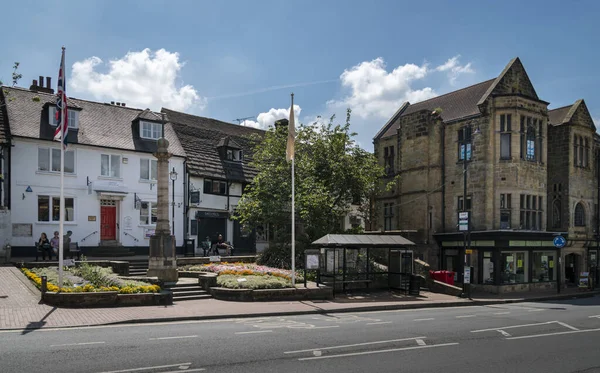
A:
[363,240]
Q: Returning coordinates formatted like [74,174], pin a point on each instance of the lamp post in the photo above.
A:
[173,176]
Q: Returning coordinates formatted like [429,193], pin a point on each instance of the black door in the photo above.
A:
[244,240]
[211,227]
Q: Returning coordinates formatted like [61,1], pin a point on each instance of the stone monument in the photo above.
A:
[163,260]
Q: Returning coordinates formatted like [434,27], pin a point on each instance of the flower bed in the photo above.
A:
[242,269]
[253,282]
[90,286]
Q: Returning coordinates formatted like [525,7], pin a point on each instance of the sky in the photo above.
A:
[237,59]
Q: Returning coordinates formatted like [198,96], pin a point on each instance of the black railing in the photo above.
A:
[127,234]
[88,236]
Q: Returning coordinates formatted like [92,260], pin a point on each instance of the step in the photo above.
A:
[189,293]
[191,297]
[184,289]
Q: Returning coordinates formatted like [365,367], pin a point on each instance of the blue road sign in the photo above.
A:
[560,242]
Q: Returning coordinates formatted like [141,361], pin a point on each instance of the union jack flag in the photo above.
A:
[62,116]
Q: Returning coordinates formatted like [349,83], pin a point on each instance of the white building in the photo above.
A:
[110,173]
[217,172]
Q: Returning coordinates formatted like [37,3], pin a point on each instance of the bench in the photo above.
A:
[40,250]
[344,282]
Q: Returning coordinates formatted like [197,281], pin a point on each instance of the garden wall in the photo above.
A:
[106,299]
[262,295]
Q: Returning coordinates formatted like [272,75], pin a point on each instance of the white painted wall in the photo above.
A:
[24,159]
[213,202]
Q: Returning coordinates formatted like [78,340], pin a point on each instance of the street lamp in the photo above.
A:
[173,176]
[466,151]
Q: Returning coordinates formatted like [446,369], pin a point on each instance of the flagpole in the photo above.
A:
[293,210]
[61,227]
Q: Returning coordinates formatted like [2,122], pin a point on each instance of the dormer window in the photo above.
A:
[234,155]
[150,130]
[73,117]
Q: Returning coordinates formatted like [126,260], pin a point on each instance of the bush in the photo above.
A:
[253,282]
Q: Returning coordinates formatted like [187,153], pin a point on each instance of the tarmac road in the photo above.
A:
[559,336]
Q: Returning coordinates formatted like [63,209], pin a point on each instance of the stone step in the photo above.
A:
[189,293]
[184,289]
[191,297]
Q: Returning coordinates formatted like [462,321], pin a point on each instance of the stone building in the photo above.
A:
[530,176]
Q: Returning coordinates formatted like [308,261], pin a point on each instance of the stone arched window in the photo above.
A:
[579,215]
[556,214]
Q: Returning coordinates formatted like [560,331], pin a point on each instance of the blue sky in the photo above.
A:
[226,59]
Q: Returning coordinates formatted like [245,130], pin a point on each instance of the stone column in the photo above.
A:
[163,261]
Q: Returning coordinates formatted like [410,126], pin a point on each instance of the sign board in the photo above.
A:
[463,221]
[69,262]
[214,258]
[149,233]
[128,223]
[312,259]
[469,251]
[22,230]
[584,279]
[212,214]
[91,217]
[467,275]
[559,242]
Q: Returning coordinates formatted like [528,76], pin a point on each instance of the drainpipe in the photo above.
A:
[443,146]
[186,196]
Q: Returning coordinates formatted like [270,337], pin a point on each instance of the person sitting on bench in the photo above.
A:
[220,244]
[44,246]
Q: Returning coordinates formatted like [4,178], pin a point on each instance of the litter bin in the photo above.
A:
[189,244]
[414,285]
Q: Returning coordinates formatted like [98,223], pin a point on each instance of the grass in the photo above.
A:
[253,282]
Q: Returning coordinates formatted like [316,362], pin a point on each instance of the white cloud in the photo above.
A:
[142,79]
[264,120]
[375,92]
[454,68]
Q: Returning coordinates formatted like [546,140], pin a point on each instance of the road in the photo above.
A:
[547,337]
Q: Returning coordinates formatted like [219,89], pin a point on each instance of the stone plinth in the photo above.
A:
[163,261]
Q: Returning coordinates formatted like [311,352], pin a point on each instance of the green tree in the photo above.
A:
[331,172]
[15,79]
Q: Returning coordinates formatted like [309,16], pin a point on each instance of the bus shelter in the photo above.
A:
[371,261]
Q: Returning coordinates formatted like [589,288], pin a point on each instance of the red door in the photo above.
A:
[108,220]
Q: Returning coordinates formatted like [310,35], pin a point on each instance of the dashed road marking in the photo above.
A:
[428,319]
[464,316]
[379,323]
[255,332]
[179,337]
[77,344]
[501,313]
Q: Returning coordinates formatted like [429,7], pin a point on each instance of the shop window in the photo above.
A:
[579,215]
[543,266]
[514,267]
[488,268]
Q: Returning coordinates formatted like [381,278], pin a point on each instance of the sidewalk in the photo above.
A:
[20,308]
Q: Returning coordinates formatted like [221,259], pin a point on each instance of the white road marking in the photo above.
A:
[379,323]
[429,319]
[537,310]
[567,325]
[77,344]
[501,313]
[595,316]
[511,327]
[376,352]
[180,337]
[503,333]
[255,332]
[149,368]
[421,342]
[185,370]
[316,327]
[464,316]
[352,345]
[557,333]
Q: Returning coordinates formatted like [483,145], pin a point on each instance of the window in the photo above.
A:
[579,215]
[49,160]
[388,216]
[148,169]
[110,165]
[49,209]
[150,130]
[575,151]
[505,209]
[514,267]
[73,118]
[215,187]
[234,155]
[464,143]
[531,151]
[586,151]
[388,159]
[531,138]
[195,197]
[556,213]
[543,266]
[194,227]
[531,212]
[505,135]
[460,204]
[148,213]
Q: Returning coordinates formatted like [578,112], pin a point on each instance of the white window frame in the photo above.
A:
[155,129]
[150,161]
[110,164]
[51,198]
[50,170]
[148,221]
[73,117]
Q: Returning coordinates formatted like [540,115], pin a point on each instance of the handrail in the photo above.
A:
[127,234]
[84,238]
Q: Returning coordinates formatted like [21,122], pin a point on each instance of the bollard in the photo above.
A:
[44,284]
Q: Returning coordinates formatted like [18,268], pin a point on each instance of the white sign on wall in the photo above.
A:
[127,223]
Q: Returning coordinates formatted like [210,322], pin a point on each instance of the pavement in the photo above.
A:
[20,306]
[550,337]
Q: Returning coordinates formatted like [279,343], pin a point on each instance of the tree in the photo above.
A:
[15,79]
[332,172]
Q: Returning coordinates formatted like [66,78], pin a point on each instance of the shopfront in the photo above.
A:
[503,261]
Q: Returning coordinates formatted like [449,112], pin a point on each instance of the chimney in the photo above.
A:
[38,86]
[123,104]
[118,104]
[48,82]
[112,102]
[41,81]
